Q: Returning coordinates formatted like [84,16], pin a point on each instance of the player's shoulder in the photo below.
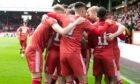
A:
[49,21]
[21,27]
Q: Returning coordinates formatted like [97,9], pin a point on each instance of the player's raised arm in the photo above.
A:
[51,14]
[96,29]
[121,29]
[67,29]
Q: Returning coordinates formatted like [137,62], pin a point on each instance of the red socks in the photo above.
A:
[36,81]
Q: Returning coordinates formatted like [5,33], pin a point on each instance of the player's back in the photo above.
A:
[102,44]
[72,41]
[41,35]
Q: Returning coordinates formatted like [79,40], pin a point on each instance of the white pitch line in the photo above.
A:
[128,80]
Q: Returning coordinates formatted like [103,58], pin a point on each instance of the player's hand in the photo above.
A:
[108,21]
[110,36]
[44,17]
[80,20]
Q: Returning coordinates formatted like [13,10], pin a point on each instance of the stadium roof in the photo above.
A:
[26,5]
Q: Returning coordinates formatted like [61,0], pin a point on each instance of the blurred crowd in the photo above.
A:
[130,18]
[8,27]
[13,27]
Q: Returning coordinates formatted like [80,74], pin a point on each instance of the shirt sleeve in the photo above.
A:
[122,36]
[54,15]
[94,28]
[51,21]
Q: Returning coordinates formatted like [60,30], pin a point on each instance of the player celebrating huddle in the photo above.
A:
[52,66]
[70,45]
[38,43]
[104,58]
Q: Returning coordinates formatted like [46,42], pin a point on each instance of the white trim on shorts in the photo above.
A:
[37,61]
[83,64]
[115,67]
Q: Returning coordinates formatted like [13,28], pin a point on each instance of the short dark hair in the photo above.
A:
[79,5]
[58,7]
[71,6]
[71,11]
[65,6]
[101,13]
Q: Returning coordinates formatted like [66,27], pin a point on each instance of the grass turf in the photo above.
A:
[14,69]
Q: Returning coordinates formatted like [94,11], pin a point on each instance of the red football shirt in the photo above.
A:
[42,34]
[72,42]
[100,43]
[24,31]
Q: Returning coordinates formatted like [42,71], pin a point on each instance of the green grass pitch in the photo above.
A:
[14,69]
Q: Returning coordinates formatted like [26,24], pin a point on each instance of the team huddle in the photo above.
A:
[70,36]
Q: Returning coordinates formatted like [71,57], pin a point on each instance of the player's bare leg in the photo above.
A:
[98,79]
[106,80]
[61,80]
[51,79]
[21,49]
[69,79]
[48,78]
[82,79]
[23,52]
[75,79]
[110,80]
[36,78]
[24,44]
[118,79]
[54,79]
